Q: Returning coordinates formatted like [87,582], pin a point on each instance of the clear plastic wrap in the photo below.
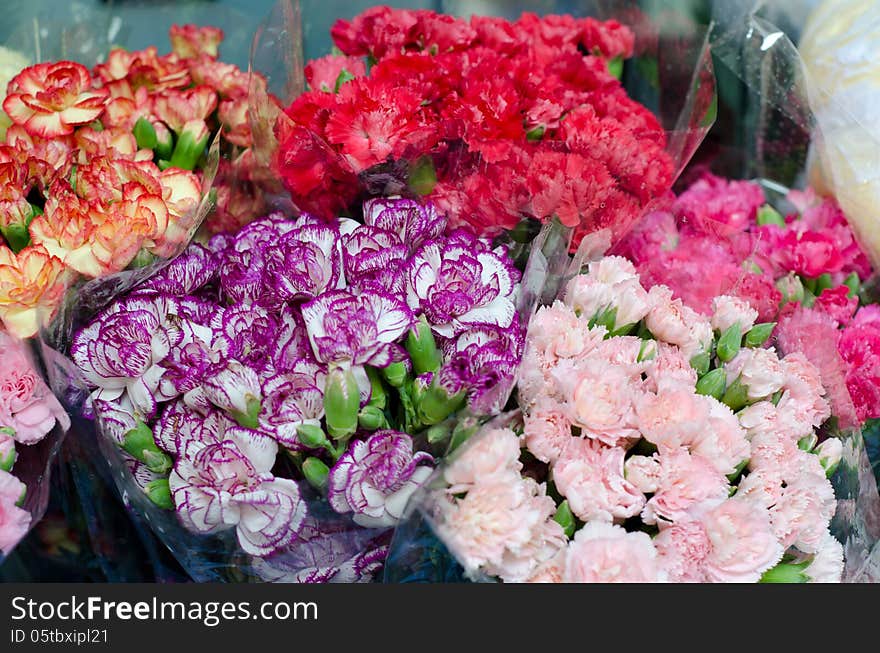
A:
[330,547]
[32,429]
[761,56]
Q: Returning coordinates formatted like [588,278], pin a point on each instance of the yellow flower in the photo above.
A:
[32,285]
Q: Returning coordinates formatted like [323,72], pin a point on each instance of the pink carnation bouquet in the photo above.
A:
[653,443]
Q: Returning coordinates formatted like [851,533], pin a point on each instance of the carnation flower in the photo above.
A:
[220,488]
[496,517]
[600,398]
[494,453]
[376,477]
[606,553]
[193,41]
[26,405]
[413,222]
[827,565]
[304,262]
[456,287]
[801,516]
[685,480]
[14,521]
[590,475]
[356,329]
[32,283]
[119,353]
[547,430]
[675,416]
[727,311]
[672,322]
[290,401]
[50,99]
[730,542]
[759,370]
[483,362]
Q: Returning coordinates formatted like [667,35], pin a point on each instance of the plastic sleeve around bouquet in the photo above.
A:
[32,429]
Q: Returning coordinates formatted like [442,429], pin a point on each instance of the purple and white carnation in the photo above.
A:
[194,268]
[121,351]
[220,488]
[304,262]
[290,401]
[483,363]
[375,478]
[235,389]
[355,330]
[245,333]
[414,223]
[373,257]
[457,286]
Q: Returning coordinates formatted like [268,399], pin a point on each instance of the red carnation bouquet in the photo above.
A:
[497,122]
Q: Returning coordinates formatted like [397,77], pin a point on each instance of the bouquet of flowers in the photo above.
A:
[654,443]
[804,270]
[107,171]
[502,124]
[300,368]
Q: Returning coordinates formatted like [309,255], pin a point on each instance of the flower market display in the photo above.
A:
[656,444]
[434,306]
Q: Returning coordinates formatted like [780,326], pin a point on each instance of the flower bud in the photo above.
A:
[462,432]
[164,141]
[729,343]
[701,362]
[378,397]
[792,289]
[342,403]
[435,405]
[713,383]
[139,444]
[823,282]
[853,283]
[422,348]
[438,433]
[759,334]
[372,418]
[807,442]
[768,215]
[316,472]
[647,350]
[395,373]
[615,66]
[145,134]
[15,218]
[737,470]
[423,176]
[830,452]
[565,518]
[7,449]
[191,144]
[786,572]
[311,436]
[249,418]
[159,493]
[736,396]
